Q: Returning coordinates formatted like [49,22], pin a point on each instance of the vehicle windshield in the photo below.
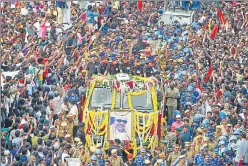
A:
[101,98]
[141,102]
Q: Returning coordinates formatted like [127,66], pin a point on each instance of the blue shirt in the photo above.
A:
[61,4]
[101,162]
[216,162]
[23,158]
[90,16]
[198,159]
[186,137]
[71,97]
[227,160]
[206,164]
[107,10]
[140,161]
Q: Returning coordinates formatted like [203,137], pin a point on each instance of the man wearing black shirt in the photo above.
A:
[234,117]
[216,118]
[69,45]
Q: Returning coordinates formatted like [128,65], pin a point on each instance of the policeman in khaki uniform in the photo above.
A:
[218,132]
[62,129]
[198,132]
[84,156]
[174,155]
[68,139]
[70,124]
[79,144]
[212,145]
[188,116]
[76,152]
[160,162]
[190,152]
[115,159]
[198,143]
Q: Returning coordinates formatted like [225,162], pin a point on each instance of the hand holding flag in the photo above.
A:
[214,32]
[139,5]
[221,16]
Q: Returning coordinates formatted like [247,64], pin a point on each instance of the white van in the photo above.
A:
[182,16]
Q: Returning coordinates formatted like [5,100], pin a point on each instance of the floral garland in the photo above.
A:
[88,98]
[152,139]
[88,140]
[92,119]
[148,125]
[137,129]
[143,79]
[94,129]
[154,99]
[130,94]
[113,100]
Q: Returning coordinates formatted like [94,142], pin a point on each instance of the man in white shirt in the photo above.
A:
[24,9]
[243,114]
[242,150]
[65,154]
[74,111]
[58,101]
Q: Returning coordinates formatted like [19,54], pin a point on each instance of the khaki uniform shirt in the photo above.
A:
[85,157]
[70,128]
[116,161]
[173,156]
[172,96]
[211,146]
[217,134]
[62,131]
[190,155]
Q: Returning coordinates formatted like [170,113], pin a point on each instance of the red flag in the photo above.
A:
[219,93]
[130,84]
[152,130]
[214,32]
[210,71]
[139,5]
[82,106]
[160,116]
[198,87]
[221,16]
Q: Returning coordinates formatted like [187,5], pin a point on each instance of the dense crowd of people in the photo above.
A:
[49,51]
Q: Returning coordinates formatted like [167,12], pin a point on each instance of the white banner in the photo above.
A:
[73,161]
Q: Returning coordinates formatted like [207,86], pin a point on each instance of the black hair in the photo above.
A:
[39,141]
[17,133]
[17,157]
[42,133]
[25,128]
[24,151]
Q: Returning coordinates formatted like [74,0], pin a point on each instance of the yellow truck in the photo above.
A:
[124,107]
